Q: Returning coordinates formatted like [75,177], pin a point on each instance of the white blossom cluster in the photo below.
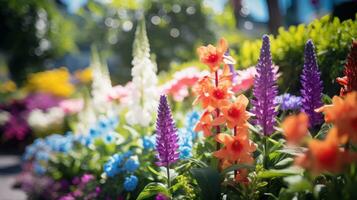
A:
[101,85]
[43,121]
[144,94]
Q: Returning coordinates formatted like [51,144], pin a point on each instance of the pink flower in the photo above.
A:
[71,106]
[182,80]
[244,79]
[120,93]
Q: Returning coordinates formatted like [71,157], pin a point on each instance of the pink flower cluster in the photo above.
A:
[181,82]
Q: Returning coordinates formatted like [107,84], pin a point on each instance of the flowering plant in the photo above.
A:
[231,146]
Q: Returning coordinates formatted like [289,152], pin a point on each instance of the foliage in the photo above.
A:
[331,37]
[31,32]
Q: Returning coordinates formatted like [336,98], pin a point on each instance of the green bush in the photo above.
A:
[332,39]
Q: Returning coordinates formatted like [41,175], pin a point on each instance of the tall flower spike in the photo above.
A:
[311,91]
[143,96]
[265,90]
[349,81]
[167,138]
[101,84]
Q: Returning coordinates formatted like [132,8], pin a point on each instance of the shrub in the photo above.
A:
[331,37]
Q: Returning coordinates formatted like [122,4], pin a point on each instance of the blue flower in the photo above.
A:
[110,137]
[191,120]
[115,164]
[42,155]
[288,102]
[148,142]
[130,183]
[38,169]
[131,165]
[185,152]
[112,166]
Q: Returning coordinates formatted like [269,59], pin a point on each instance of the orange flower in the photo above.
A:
[212,97]
[324,156]
[218,97]
[234,113]
[236,148]
[295,128]
[213,56]
[205,124]
[201,89]
[343,114]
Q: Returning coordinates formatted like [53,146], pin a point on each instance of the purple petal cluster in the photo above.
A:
[311,91]
[265,90]
[167,138]
[288,102]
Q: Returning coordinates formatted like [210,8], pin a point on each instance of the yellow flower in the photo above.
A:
[84,76]
[8,86]
[56,82]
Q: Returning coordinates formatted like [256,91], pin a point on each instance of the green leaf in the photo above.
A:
[280,173]
[154,171]
[209,181]
[294,151]
[152,189]
[236,167]
[284,163]
[323,131]
[132,131]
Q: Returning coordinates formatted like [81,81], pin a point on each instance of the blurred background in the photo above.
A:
[36,35]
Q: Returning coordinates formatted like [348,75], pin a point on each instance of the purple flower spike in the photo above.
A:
[167,138]
[311,91]
[265,90]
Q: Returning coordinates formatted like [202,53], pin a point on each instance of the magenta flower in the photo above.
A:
[265,90]
[311,91]
[166,139]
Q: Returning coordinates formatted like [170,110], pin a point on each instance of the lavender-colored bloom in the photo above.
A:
[311,91]
[288,102]
[265,90]
[166,139]
[161,197]
[231,66]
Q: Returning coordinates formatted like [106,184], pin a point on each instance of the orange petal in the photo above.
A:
[242,99]
[223,45]
[218,121]
[224,138]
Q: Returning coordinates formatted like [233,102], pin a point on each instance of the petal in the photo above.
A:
[224,138]
[218,121]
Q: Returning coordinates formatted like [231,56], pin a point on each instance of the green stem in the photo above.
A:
[168,177]
[265,156]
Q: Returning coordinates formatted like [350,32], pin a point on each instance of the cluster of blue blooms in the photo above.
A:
[288,102]
[104,128]
[40,150]
[187,135]
[123,164]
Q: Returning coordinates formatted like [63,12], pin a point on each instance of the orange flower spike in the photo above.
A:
[236,148]
[213,56]
[205,124]
[234,114]
[295,128]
